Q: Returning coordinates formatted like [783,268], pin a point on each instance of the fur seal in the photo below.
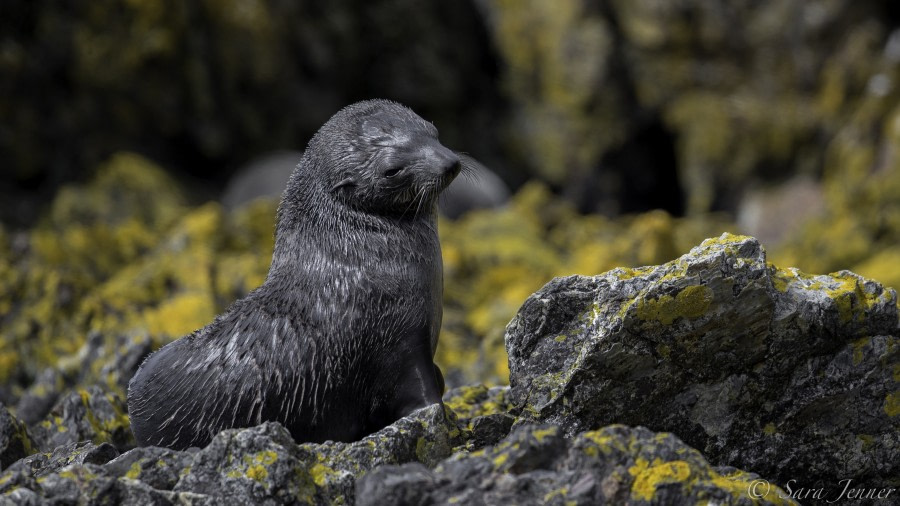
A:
[339,340]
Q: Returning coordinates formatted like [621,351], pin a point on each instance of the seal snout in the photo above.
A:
[443,161]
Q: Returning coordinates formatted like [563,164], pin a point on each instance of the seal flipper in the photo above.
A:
[442,387]
[418,386]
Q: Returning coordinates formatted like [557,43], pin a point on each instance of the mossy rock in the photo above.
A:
[726,351]
[537,465]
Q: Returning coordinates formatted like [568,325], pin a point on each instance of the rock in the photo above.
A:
[79,473]
[477,187]
[85,452]
[254,465]
[493,260]
[391,484]
[264,464]
[264,177]
[79,484]
[40,396]
[537,465]
[92,232]
[21,497]
[89,414]
[158,468]
[483,412]
[784,374]
[14,440]
[259,465]
[775,213]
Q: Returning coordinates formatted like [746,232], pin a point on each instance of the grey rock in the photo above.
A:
[263,464]
[773,214]
[21,497]
[85,452]
[482,413]
[773,371]
[489,429]
[86,415]
[159,468]
[406,484]
[14,440]
[136,492]
[259,465]
[111,358]
[80,484]
[40,396]
[265,177]
[538,465]
[477,187]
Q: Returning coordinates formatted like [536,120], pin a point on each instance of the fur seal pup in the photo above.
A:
[339,340]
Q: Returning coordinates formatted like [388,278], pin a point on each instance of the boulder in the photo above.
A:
[89,414]
[258,465]
[14,440]
[538,465]
[781,373]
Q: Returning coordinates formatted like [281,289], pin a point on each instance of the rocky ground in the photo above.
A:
[715,377]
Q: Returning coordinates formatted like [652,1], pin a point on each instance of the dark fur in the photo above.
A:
[339,341]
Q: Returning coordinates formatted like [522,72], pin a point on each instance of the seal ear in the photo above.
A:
[344,183]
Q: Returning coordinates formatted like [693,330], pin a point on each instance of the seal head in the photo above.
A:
[339,340]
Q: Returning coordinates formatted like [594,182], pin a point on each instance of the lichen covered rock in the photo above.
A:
[493,260]
[483,413]
[250,466]
[100,284]
[155,467]
[738,358]
[85,452]
[537,465]
[86,415]
[14,440]
[774,371]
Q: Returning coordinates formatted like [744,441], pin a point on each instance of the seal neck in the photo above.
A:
[316,233]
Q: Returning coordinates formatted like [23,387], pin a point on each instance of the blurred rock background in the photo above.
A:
[628,131]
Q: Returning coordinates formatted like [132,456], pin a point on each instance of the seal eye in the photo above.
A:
[393,172]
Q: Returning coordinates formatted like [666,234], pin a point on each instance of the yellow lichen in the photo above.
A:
[541,434]
[603,441]
[782,279]
[560,493]
[258,473]
[859,347]
[690,302]
[738,483]
[892,404]
[134,471]
[320,473]
[867,441]
[647,477]
[423,449]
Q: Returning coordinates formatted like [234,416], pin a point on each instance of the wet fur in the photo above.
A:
[339,341]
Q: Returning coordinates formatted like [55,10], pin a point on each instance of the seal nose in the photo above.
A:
[445,161]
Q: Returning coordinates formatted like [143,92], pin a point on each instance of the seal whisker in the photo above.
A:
[470,168]
[424,194]
[414,201]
